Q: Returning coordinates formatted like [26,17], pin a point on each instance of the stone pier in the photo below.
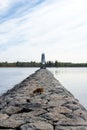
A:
[40,102]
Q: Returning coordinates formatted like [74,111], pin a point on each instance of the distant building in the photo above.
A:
[43,62]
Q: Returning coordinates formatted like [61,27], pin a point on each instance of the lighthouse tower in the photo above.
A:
[43,62]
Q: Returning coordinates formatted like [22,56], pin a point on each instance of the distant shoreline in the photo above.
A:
[38,64]
[46,67]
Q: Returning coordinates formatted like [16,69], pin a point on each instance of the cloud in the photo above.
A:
[10,9]
[30,27]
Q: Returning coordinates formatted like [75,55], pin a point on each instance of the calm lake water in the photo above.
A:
[73,79]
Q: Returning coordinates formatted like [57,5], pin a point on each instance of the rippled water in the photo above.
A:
[73,79]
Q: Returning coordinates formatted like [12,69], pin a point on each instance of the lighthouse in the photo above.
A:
[43,62]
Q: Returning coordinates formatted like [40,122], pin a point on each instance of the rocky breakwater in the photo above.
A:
[40,102]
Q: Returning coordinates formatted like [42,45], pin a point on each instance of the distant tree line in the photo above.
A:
[65,64]
[38,64]
[20,64]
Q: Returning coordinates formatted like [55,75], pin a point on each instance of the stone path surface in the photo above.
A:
[40,102]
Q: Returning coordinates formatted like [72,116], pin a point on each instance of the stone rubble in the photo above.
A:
[40,102]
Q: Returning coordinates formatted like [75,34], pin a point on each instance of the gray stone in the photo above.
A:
[10,123]
[12,110]
[72,122]
[39,125]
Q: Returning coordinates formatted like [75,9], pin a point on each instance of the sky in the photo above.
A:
[57,28]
